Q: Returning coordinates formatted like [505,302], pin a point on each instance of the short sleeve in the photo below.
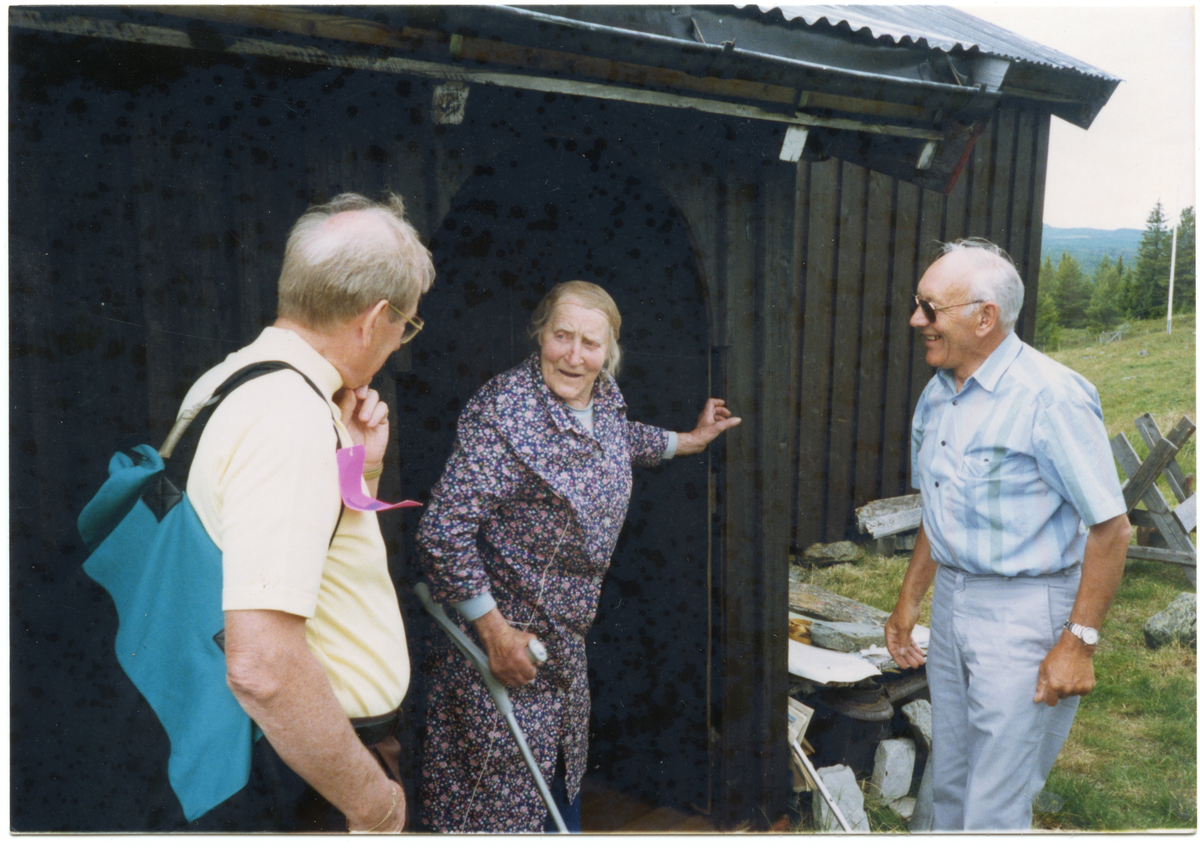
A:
[278,495]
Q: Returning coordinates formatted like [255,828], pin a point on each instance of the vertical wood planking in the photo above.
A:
[779,365]
[872,376]
[1000,197]
[816,373]
[1039,151]
[900,340]
[744,747]
[929,234]
[847,351]
[801,212]
[978,219]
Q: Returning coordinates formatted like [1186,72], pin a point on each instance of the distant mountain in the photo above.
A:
[1090,246]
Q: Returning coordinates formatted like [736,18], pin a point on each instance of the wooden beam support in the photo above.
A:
[1163,452]
[167,37]
[1162,555]
[1148,428]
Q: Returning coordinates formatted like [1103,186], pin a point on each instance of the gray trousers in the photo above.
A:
[993,746]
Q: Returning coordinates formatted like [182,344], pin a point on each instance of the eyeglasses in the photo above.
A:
[415,325]
[930,311]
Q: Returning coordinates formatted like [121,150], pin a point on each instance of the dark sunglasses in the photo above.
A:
[930,311]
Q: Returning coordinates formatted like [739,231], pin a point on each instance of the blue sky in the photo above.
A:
[1142,146]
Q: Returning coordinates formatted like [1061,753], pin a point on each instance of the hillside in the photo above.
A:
[1145,371]
[1090,246]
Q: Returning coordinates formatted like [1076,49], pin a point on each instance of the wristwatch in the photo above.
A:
[1088,635]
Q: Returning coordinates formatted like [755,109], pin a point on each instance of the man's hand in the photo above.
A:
[1066,671]
[280,684]
[898,632]
[506,647]
[391,820]
[366,417]
[714,420]
[899,627]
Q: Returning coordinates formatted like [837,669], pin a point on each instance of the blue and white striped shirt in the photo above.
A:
[1014,468]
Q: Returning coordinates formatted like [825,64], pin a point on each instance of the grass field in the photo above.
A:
[1130,762]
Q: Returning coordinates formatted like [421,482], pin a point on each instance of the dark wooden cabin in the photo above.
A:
[759,189]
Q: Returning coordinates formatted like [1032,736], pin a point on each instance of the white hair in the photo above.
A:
[995,277]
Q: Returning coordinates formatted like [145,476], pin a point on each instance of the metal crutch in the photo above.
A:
[496,689]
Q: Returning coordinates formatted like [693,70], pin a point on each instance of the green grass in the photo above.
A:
[1130,761]
[1147,371]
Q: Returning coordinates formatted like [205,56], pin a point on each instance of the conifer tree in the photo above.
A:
[1146,294]
[1047,334]
[1071,292]
[1185,262]
[1104,306]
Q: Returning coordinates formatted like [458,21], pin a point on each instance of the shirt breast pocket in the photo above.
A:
[990,481]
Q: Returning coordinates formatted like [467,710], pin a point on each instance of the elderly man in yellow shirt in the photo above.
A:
[315,646]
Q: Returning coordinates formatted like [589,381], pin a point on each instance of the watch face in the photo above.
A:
[1088,635]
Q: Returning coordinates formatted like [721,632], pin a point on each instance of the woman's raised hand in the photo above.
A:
[714,420]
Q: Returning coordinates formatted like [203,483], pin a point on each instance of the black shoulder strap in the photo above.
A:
[168,495]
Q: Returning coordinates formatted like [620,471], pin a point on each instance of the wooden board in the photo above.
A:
[808,599]
[890,516]
[1148,428]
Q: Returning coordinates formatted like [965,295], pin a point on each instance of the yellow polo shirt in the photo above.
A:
[264,485]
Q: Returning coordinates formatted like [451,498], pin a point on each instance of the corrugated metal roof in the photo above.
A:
[935,27]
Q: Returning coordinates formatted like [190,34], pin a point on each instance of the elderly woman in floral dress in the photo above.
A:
[517,537]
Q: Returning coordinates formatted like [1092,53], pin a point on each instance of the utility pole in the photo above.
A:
[1171,282]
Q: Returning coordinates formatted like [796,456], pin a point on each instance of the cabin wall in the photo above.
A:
[861,245]
[151,191]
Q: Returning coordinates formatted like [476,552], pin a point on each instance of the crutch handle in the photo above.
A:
[496,689]
[536,652]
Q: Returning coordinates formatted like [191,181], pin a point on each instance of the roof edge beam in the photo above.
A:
[167,37]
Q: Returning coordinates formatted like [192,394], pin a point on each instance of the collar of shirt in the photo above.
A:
[291,348]
[989,373]
[604,392]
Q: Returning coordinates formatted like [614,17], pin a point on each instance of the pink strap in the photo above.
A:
[350,471]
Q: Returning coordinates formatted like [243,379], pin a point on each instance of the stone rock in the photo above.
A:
[920,716]
[844,789]
[845,636]
[903,807]
[894,761]
[1177,623]
[1047,802]
[922,817]
[830,553]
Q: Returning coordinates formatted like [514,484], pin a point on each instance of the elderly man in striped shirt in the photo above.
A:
[1024,532]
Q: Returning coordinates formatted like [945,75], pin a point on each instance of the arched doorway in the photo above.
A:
[534,216]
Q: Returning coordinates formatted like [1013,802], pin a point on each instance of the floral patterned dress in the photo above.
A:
[529,508]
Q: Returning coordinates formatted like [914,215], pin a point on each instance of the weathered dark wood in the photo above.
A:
[900,339]
[816,360]
[872,371]
[1186,514]
[1148,428]
[1038,152]
[1162,555]
[1161,517]
[889,516]
[752,652]
[1000,192]
[846,353]
[977,214]
[1162,453]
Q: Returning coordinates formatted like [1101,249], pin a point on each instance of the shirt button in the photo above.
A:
[936,485]
[943,444]
[954,403]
